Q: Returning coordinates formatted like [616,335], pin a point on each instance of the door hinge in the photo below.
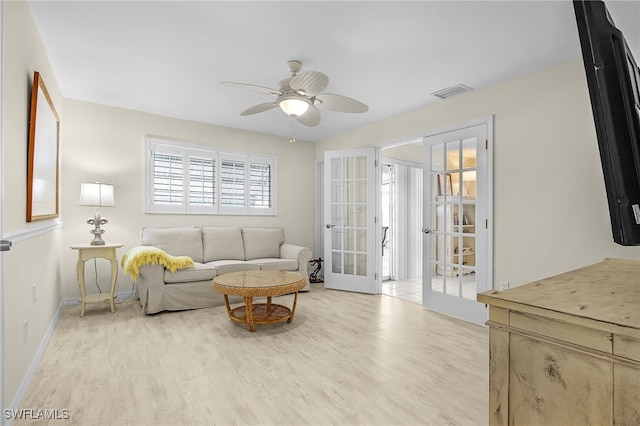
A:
[375,276]
[486,144]
[375,219]
[375,163]
[486,224]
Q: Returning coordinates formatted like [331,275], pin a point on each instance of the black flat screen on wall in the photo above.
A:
[613,78]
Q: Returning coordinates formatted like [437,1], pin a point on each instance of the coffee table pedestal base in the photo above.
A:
[260,313]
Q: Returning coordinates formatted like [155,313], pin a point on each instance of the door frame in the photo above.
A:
[2,352]
[319,214]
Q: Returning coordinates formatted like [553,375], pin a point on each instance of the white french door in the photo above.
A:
[351,238]
[455,233]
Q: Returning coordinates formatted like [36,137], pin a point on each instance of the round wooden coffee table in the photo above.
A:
[250,284]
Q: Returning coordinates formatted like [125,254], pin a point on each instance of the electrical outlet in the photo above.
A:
[34,292]
[25,331]
[504,285]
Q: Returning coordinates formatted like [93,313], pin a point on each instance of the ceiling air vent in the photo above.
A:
[452,91]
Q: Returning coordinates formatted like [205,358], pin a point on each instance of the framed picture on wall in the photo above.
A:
[42,158]
[444,185]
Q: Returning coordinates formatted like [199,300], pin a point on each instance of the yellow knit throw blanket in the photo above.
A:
[149,255]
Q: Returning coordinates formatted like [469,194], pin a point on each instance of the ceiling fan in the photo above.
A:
[300,96]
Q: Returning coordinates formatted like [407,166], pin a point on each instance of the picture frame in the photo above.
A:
[43,154]
[444,184]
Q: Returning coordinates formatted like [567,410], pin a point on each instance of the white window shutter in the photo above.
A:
[232,182]
[167,180]
[260,185]
[202,181]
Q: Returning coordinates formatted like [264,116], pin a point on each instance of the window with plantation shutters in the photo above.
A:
[187,179]
[246,183]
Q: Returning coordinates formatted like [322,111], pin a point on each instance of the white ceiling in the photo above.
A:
[169,57]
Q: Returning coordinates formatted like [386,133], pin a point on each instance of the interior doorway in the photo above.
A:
[401,222]
[435,202]
[450,188]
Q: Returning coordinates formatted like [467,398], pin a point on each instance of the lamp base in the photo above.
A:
[97,240]
[97,221]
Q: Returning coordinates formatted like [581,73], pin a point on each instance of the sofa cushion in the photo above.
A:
[199,272]
[276,264]
[226,266]
[222,243]
[260,243]
[182,241]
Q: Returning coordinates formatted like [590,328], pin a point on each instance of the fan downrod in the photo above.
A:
[294,66]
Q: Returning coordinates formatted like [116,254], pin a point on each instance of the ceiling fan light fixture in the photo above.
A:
[294,105]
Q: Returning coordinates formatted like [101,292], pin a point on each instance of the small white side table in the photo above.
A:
[86,252]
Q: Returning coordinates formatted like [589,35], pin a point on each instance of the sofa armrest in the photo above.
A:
[302,255]
[149,278]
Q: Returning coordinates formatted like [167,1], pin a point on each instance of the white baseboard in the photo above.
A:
[26,380]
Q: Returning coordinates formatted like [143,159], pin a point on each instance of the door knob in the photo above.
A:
[328,226]
[426,230]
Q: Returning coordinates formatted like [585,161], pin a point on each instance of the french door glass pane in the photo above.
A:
[361,216]
[336,239]
[437,158]
[453,155]
[349,266]
[361,259]
[336,262]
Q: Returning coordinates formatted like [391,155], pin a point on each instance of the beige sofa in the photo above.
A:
[215,251]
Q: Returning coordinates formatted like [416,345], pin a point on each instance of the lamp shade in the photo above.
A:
[96,194]
[294,105]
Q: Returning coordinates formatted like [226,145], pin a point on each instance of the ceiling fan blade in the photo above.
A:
[259,108]
[309,83]
[311,118]
[339,103]
[252,88]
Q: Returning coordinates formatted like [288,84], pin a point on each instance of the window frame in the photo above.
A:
[188,151]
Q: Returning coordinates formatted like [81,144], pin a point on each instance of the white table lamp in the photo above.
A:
[96,194]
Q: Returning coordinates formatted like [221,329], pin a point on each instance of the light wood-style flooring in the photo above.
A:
[346,359]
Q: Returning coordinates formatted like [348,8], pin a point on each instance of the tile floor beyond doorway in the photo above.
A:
[411,289]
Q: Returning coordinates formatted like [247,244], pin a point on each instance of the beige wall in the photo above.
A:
[23,53]
[550,210]
[106,144]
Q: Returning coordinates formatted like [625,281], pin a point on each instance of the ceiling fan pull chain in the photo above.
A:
[292,139]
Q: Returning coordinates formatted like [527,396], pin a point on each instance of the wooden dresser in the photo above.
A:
[566,350]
